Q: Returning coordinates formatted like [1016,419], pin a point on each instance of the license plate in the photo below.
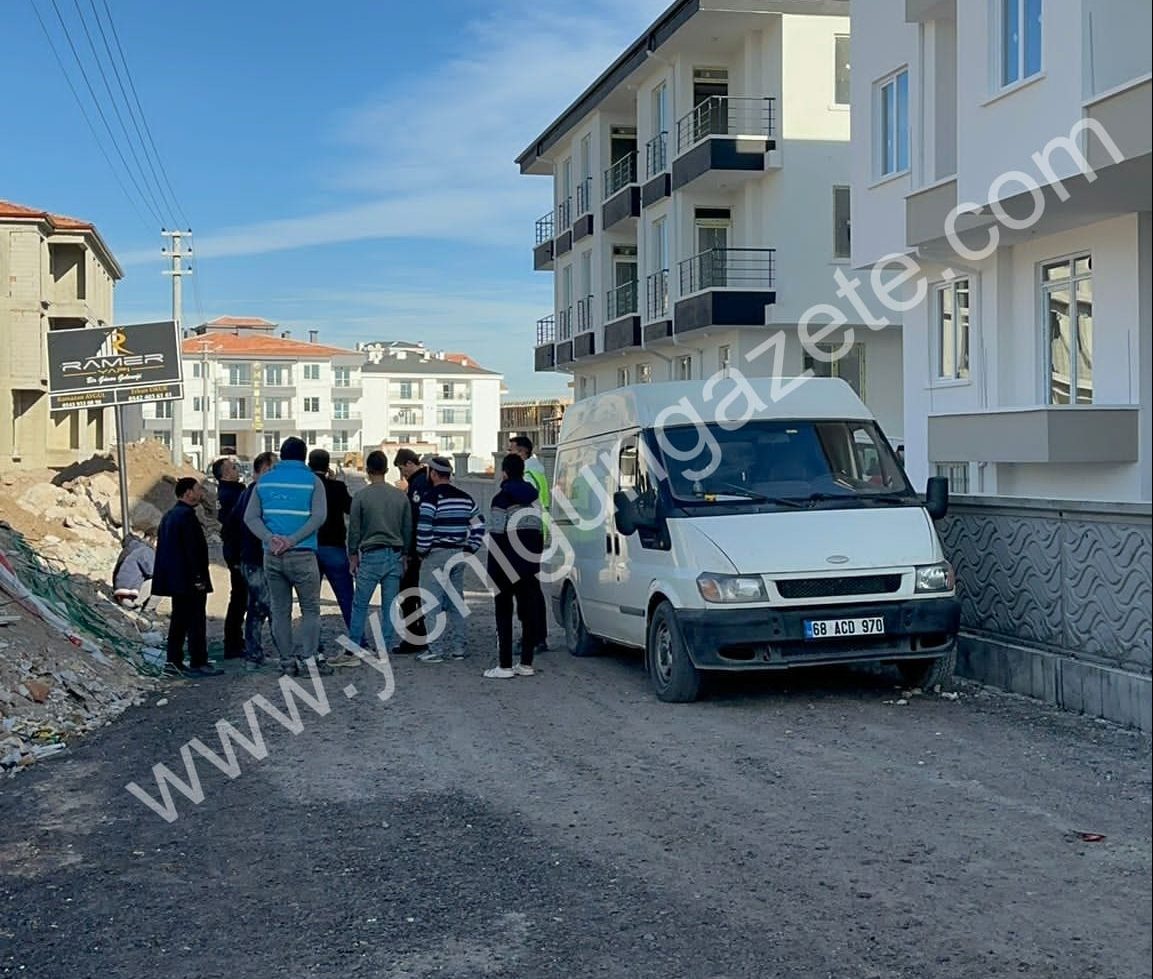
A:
[844,628]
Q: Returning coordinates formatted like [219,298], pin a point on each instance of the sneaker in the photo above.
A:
[403,650]
[206,670]
[499,673]
[431,657]
[459,654]
[344,660]
[521,670]
[323,667]
[290,669]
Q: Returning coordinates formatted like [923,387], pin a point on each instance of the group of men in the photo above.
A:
[295,524]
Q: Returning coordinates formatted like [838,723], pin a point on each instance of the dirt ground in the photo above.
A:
[568,825]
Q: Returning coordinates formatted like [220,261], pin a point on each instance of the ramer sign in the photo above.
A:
[100,367]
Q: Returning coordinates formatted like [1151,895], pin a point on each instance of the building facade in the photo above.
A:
[701,206]
[56,273]
[417,397]
[538,418]
[1003,148]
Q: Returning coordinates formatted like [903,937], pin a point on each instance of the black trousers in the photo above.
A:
[189,621]
[415,629]
[523,593]
[234,617]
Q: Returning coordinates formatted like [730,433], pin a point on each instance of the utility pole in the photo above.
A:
[177,254]
[204,456]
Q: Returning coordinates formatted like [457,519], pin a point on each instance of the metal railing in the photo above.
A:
[585,314]
[621,301]
[545,228]
[725,115]
[564,215]
[657,295]
[564,323]
[621,174]
[545,330]
[718,268]
[657,154]
[584,196]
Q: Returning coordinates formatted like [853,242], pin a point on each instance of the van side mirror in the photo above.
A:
[937,497]
[625,515]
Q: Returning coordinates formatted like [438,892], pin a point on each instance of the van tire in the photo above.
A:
[577,638]
[673,676]
[928,674]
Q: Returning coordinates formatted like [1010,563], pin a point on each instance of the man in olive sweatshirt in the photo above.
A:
[379,536]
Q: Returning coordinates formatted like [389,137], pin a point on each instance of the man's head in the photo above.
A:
[263,462]
[188,490]
[376,464]
[224,470]
[293,449]
[439,470]
[520,445]
[319,461]
[407,461]
[512,466]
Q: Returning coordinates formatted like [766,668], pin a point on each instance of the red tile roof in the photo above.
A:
[245,322]
[250,345]
[60,222]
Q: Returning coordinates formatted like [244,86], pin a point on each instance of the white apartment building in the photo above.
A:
[1027,364]
[56,273]
[701,204]
[429,400]
[246,389]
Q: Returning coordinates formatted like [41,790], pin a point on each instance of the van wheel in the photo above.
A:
[674,678]
[928,674]
[577,637]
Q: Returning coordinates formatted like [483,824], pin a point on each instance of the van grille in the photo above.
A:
[869,584]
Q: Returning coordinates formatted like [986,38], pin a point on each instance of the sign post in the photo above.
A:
[122,472]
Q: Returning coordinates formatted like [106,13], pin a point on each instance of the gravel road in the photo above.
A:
[568,825]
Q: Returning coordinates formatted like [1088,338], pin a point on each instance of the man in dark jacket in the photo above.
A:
[416,481]
[244,549]
[332,538]
[228,491]
[182,574]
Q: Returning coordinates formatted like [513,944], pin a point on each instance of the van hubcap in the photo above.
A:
[663,653]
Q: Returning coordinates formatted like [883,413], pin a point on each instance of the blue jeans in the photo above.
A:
[334,566]
[381,567]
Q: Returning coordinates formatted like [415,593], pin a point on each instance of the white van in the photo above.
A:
[745,524]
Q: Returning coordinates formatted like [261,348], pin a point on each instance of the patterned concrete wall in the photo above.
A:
[1074,579]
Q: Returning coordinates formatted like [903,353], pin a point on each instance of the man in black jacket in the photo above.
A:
[228,490]
[182,574]
[244,549]
[416,481]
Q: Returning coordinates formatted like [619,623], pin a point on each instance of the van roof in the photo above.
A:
[671,403]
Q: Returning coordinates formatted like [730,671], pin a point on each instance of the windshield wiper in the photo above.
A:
[731,489]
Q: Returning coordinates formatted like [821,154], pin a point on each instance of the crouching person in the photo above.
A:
[132,576]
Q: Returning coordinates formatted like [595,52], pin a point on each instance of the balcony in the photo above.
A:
[657,313]
[350,423]
[1045,434]
[564,321]
[622,193]
[348,392]
[583,223]
[544,353]
[542,252]
[241,390]
[563,243]
[622,319]
[726,136]
[584,341]
[656,185]
[284,391]
[725,287]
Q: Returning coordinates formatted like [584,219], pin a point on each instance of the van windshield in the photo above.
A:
[790,463]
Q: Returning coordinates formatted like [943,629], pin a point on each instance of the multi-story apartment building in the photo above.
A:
[419,397]
[701,205]
[538,418]
[1003,147]
[246,389]
[56,273]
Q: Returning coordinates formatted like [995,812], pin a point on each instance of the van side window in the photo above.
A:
[635,476]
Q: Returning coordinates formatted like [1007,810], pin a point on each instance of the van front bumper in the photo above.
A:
[774,639]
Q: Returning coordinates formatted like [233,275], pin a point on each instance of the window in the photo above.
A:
[841,69]
[893,124]
[405,391]
[1067,305]
[685,367]
[453,416]
[195,437]
[624,377]
[452,443]
[408,416]
[164,438]
[272,441]
[1020,39]
[850,367]
[163,409]
[341,410]
[842,223]
[340,441]
[644,373]
[236,408]
[197,369]
[724,359]
[239,374]
[309,436]
[197,403]
[957,473]
[342,377]
[312,372]
[584,388]
[277,375]
[312,405]
[951,328]
[275,408]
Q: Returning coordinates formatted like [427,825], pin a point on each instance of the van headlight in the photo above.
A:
[935,577]
[731,588]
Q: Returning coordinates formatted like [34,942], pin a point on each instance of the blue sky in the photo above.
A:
[345,167]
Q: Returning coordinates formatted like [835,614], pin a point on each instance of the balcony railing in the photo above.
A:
[621,301]
[750,269]
[545,228]
[621,174]
[584,196]
[407,421]
[564,215]
[725,115]
[545,330]
[657,295]
[585,314]
[657,154]
[564,324]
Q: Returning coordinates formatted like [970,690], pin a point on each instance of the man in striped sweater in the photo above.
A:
[448,529]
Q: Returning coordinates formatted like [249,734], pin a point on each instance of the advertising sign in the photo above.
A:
[99,367]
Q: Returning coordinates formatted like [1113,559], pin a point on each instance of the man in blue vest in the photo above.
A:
[285,512]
